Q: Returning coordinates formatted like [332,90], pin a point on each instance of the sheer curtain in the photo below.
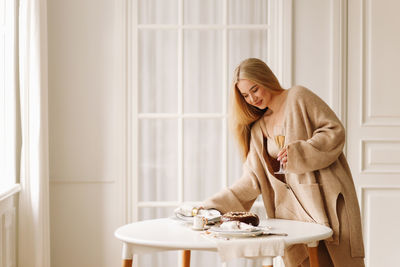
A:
[34,240]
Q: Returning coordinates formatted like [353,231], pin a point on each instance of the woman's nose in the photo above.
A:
[252,98]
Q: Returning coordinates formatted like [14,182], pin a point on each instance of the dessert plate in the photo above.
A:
[236,233]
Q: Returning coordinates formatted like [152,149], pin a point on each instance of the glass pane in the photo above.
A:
[150,213]
[202,71]
[202,158]
[158,11]
[158,160]
[158,71]
[203,12]
[248,12]
[244,44]
[2,12]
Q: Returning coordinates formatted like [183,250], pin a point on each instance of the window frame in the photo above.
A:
[279,50]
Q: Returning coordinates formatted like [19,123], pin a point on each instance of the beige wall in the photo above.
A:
[86,111]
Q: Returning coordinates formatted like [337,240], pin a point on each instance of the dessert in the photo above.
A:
[241,216]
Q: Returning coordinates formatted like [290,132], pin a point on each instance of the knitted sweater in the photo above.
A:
[317,171]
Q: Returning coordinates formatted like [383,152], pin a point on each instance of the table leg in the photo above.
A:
[267,262]
[313,254]
[127,255]
[126,263]
[186,258]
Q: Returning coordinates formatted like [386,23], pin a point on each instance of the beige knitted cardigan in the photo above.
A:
[317,171]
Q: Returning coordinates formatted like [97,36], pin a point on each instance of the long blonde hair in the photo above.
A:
[242,114]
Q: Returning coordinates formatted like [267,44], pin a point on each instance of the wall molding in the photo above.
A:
[367,118]
[14,189]
[338,75]
[8,231]
[338,89]
[363,168]
[366,216]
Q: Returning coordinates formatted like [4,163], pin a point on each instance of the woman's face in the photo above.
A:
[254,94]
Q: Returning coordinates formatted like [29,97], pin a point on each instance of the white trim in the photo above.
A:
[180,102]
[225,90]
[338,89]
[205,26]
[156,204]
[132,109]
[12,190]
[81,181]
[280,54]
[286,49]
[338,75]
[180,115]
[120,82]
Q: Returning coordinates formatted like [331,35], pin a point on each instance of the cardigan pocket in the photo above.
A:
[289,207]
[310,199]
[283,212]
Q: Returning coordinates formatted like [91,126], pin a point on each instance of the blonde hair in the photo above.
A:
[242,114]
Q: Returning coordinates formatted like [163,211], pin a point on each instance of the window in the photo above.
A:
[182,54]
[8,89]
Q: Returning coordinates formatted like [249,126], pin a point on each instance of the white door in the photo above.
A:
[374,123]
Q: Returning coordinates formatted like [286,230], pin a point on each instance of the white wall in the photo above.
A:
[86,106]
[312,45]
[86,98]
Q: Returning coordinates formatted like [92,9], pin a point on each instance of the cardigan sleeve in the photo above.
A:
[327,136]
[241,195]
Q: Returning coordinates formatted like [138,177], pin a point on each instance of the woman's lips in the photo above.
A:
[258,103]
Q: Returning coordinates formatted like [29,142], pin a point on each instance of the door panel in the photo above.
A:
[373,126]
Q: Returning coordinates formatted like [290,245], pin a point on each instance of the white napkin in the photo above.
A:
[252,247]
[236,225]
[186,210]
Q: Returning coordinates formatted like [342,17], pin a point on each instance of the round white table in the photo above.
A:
[171,234]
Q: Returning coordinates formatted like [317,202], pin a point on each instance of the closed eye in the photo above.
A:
[255,89]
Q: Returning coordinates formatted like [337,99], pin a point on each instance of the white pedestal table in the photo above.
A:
[170,234]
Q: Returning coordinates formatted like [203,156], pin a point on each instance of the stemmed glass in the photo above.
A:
[279,136]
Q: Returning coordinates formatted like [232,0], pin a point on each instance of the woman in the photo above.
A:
[317,186]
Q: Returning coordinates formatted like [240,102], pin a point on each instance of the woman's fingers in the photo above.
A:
[282,155]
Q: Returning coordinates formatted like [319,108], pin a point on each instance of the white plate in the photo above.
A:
[184,218]
[236,233]
[215,216]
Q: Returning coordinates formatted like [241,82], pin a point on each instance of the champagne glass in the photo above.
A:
[279,136]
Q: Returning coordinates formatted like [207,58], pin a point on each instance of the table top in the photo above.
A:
[170,233]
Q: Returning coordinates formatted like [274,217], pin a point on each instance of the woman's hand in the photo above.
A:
[282,156]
